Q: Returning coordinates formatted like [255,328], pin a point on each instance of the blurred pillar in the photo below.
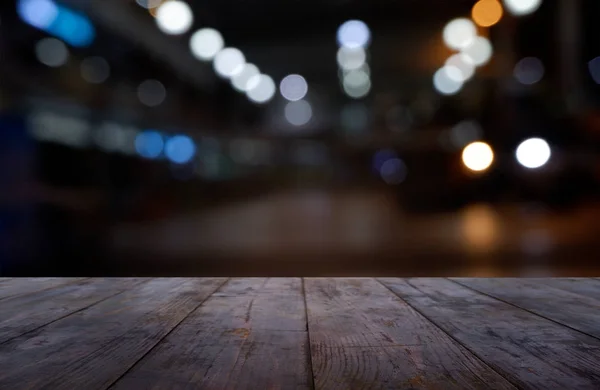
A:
[569,40]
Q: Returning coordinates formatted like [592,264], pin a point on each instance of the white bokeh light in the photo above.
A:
[174,17]
[460,68]
[354,34]
[261,88]
[241,79]
[522,7]
[459,33]
[228,62]
[533,153]
[444,81]
[293,87]
[357,84]
[298,113]
[206,43]
[478,156]
[152,93]
[479,51]
[529,71]
[52,52]
[350,59]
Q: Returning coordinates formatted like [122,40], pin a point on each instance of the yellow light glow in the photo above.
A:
[487,13]
[478,156]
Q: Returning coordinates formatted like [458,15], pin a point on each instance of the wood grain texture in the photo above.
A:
[24,313]
[571,309]
[94,347]
[588,287]
[251,334]
[532,352]
[363,336]
[11,287]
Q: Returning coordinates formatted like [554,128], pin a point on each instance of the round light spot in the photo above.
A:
[152,93]
[293,87]
[38,13]
[298,113]
[354,34]
[229,62]
[206,43]
[180,149]
[357,84]
[533,153]
[522,7]
[95,70]
[261,88]
[241,79]
[354,118]
[529,71]
[460,68]
[594,67]
[478,156]
[393,171]
[464,133]
[487,13]
[479,51]
[459,33]
[52,52]
[444,83]
[350,59]
[174,17]
[149,144]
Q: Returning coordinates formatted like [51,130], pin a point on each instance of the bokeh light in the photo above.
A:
[180,149]
[152,93]
[350,59]
[229,62]
[293,87]
[479,51]
[465,132]
[460,68]
[354,34]
[393,171]
[444,83]
[533,153]
[354,118]
[594,67]
[487,13]
[52,52]
[261,88]
[149,144]
[174,17]
[241,79]
[95,70]
[298,113]
[357,84]
[529,71]
[38,13]
[206,43]
[522,7]
[459,33]
[478,156]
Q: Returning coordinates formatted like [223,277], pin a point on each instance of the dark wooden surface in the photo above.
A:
[299,333]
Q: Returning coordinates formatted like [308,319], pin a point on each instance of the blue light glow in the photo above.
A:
[381,157]
[180,149]
[149,144]
[37,13]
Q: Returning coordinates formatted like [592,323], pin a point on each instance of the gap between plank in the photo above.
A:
[44,289]
[450,336]
[524,309]
[310,363]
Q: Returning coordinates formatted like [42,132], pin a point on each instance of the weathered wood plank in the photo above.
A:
[531,351]
[363,336]
[24,313]
[588,287]
[249,335]
[92,348]
[574,310]
[11,287]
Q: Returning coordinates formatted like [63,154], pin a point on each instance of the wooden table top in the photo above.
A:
[299,333]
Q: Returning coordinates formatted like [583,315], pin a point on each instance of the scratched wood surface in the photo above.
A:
[295,333]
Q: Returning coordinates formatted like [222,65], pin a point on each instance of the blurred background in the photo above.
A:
[332,137]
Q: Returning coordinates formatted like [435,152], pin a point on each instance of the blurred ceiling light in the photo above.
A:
[350,59]
[354,34]
[95,70]
[298,113]
[180,149]
[293,87]
[149,144]
[152,93]
[533,153]
[487,13]
[594,67]
[229,62]
[206,43]
[459,33]
[478,156]
[460,68]
[52,52]
[529,71]
[38,13]
[522,7]
[241,79]
[478,51]
[174,17]
[357,84]
[445,84]
[261,88]
[393,171]
[149,4]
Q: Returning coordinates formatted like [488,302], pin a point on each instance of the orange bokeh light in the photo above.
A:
[486,13]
